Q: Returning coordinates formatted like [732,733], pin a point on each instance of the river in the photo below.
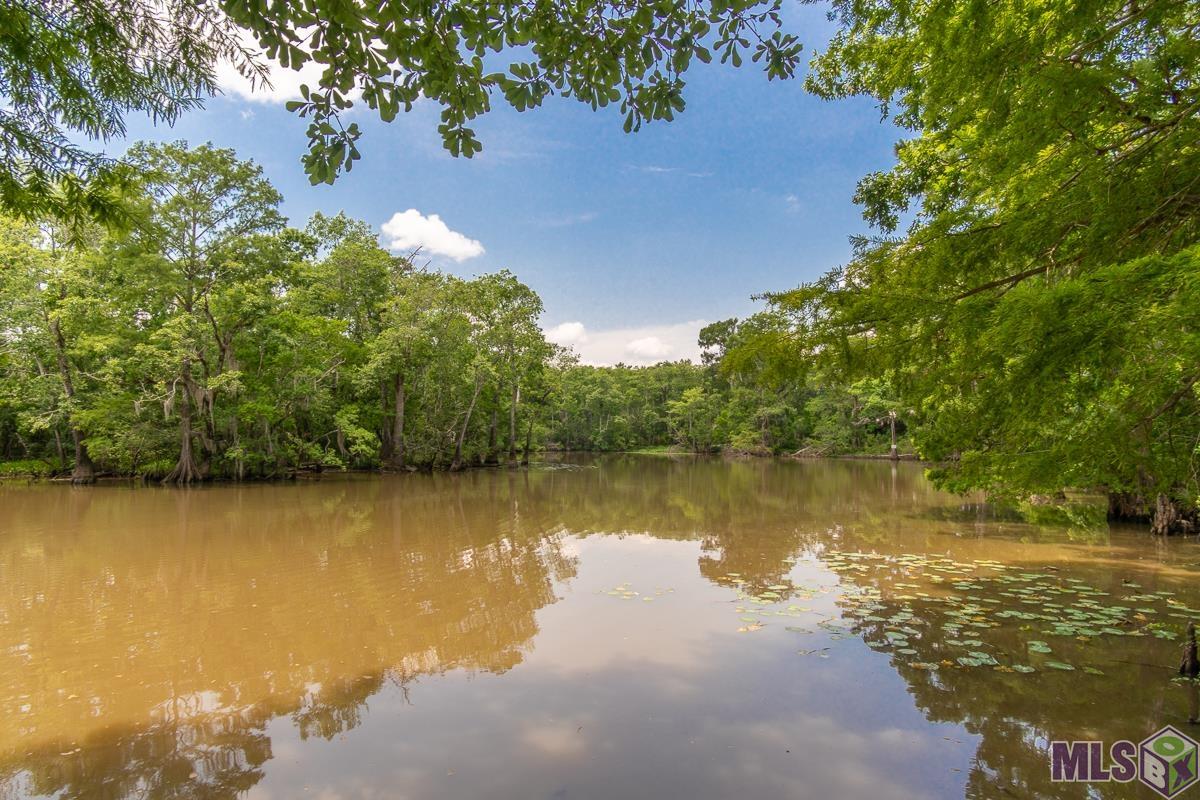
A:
[616,627]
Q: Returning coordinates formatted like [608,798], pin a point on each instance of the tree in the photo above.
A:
[415,323]
[188,245]
[692,417]
[79,67]
[1038,313]
[633,54]
[47,305]
[509,311]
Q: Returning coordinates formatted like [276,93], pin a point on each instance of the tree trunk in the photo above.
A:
[1169,517]
[456,464]
[398,425]
[58,448]
[385,434]
[895,452]
[528,441]
[512,423]
[185,470]
[492,450]
[1127,507]
[84,470]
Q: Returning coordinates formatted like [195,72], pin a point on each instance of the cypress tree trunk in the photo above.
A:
[385,432]
[84,471]
[528,440]
[1166,515]
[1170,517]
[492,449]
[398,425]
[1127,507]
[512,424]
[185,470]
[895,452]
[456,464]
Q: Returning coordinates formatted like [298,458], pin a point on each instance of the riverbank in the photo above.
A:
[39,470]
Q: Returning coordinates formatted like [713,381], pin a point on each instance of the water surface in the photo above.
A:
[625,627]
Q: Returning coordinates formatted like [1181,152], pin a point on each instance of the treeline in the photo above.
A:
[209,339]
[741,399]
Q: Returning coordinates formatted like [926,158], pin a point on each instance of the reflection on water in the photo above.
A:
[460,636]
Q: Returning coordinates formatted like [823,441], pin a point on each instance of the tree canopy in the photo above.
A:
[79,68]
[210,339]
[1039,308]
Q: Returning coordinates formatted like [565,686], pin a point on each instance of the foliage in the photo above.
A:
[78,67]
[211,340]
[26,468]
[389,55]
[72,67]
[1038,314]
[617,408]
[751,395]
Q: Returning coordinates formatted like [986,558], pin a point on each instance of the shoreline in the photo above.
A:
[311,474]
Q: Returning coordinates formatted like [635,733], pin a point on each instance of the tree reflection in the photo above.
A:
[152,635]
[151,656]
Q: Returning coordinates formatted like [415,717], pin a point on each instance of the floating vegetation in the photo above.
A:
[967,615]
[624,592]
[972,606]
[939,613]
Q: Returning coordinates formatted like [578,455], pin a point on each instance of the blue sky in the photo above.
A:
[632,240]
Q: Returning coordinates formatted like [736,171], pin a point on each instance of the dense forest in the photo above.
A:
[723,405]
[211,340]
[1026,307]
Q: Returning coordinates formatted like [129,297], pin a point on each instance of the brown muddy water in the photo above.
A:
[624,627]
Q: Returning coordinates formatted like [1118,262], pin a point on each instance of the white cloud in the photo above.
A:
[639,346]
[409,230]
[656,169]
[567,333]
[648,347]
[567,220]
[284,82]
